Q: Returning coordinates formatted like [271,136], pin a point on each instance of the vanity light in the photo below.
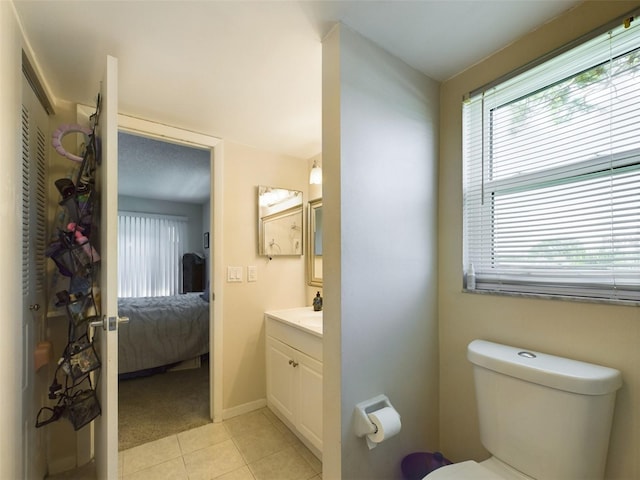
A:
[315,177]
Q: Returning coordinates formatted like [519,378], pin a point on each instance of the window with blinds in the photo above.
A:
[150,249]
[552,175]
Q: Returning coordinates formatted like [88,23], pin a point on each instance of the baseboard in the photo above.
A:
[244,408]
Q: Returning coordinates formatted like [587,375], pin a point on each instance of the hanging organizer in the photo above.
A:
[74,253]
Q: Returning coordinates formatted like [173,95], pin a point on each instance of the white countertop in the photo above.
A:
[303,318]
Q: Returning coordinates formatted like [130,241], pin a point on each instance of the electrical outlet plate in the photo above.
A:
[252,273]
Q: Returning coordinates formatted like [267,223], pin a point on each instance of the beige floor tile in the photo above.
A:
[314,461]
[288,435]
[202,437]
[273,418]
[286,464]
[280,425]
[213,461]
[261,442]
[150,454]
[246,423]
[240,474]
[174,469]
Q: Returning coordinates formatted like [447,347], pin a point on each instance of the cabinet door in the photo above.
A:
[281,378]
[310,399]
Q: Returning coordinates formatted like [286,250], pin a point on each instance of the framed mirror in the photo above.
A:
[314,235]
[280,221]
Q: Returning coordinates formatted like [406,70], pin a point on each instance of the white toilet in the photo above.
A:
[541,417]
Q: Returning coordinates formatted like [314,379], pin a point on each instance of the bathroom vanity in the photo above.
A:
[294,372]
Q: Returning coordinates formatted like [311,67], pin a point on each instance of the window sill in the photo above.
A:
[564,298]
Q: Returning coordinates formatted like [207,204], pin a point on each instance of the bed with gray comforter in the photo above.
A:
[161,331]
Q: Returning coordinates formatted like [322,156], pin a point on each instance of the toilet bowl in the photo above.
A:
[491,469]
[541,416]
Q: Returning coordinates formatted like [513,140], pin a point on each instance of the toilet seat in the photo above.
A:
[491,469]
[468,470]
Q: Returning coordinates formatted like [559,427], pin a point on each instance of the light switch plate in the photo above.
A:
[234,274]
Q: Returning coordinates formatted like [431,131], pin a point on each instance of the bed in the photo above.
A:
[161,331]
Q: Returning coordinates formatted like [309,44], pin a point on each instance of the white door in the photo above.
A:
[106,426]
[34,384]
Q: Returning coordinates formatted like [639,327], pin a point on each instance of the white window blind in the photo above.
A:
[150,249]
[552,175]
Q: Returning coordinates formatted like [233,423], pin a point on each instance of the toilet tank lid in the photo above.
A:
[554,372]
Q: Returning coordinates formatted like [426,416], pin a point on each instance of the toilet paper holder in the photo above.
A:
[362,424]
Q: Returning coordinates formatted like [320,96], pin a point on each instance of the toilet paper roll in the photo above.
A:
[387,424]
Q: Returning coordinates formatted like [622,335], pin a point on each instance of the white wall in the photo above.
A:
[190,210]
[598,333]
[380,163]
[10,219]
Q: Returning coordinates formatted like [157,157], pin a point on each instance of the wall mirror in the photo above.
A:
[280,221]
[314,223]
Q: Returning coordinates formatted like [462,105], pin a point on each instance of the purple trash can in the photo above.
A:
[416,466]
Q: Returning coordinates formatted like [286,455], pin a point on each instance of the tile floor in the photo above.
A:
[254,446]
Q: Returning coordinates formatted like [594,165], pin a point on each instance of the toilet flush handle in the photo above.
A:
[527,354]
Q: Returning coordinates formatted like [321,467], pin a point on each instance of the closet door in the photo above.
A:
[34,148]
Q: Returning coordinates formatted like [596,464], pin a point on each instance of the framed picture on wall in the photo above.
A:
[206,240]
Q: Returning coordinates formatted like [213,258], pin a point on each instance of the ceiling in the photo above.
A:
[250,71]
[157,170]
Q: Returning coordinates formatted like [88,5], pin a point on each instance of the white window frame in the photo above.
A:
[482,273]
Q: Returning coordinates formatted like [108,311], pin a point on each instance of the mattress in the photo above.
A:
[161,331]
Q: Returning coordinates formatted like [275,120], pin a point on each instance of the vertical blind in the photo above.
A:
[552,175]
[150,249]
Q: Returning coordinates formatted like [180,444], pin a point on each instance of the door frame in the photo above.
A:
[167,133]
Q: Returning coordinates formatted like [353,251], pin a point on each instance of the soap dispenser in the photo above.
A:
[317,303]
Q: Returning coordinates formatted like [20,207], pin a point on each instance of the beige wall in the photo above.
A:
[281,281]
[10,219]
[60,435]
[604,334]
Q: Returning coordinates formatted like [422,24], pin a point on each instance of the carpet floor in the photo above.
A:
[163,404]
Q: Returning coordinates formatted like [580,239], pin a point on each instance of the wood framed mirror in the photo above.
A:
[280,221]
[314,236]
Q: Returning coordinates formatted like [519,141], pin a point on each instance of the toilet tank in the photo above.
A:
[548,417]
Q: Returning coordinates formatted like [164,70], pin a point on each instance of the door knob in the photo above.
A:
[108,323]
[35,307]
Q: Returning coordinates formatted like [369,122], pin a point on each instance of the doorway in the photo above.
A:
[212,232]
[163,351]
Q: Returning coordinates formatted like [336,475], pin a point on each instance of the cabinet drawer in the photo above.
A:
[294,337]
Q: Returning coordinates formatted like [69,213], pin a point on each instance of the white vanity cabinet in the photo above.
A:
[294,374]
